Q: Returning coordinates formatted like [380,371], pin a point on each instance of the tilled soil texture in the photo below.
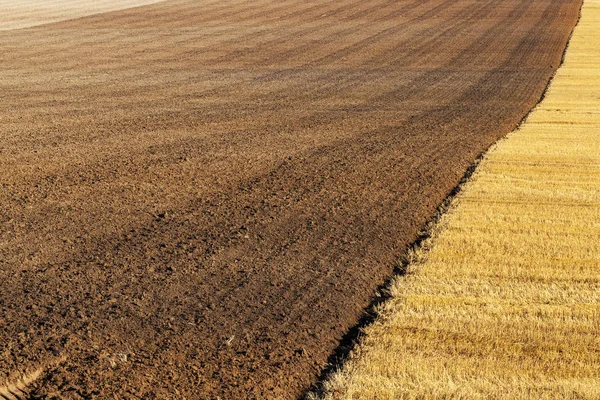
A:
[198,198]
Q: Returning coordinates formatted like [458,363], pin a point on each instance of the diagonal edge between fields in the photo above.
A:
[352,337]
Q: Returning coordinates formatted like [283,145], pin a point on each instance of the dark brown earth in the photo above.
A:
[198,198]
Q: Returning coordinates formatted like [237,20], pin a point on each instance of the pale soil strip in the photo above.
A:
[18,389]
[504,300]
[16,14]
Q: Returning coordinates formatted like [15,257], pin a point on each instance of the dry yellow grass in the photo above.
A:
[504,300]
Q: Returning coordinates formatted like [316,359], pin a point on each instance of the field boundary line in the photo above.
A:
[417,251]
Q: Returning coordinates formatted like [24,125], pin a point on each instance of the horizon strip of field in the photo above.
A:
[503,301]
[18,14]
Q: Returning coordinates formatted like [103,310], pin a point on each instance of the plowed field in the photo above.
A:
[198,198]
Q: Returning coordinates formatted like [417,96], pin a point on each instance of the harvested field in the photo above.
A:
[504,301]
[199,198]
[18,14]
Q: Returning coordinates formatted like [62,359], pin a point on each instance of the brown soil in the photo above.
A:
[198,198]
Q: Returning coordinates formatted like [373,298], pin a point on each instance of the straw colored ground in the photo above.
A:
[18,14]
[505,300]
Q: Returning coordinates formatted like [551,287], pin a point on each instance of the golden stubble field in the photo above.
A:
[503,301]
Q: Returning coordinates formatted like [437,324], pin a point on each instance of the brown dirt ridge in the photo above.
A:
[198,198]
